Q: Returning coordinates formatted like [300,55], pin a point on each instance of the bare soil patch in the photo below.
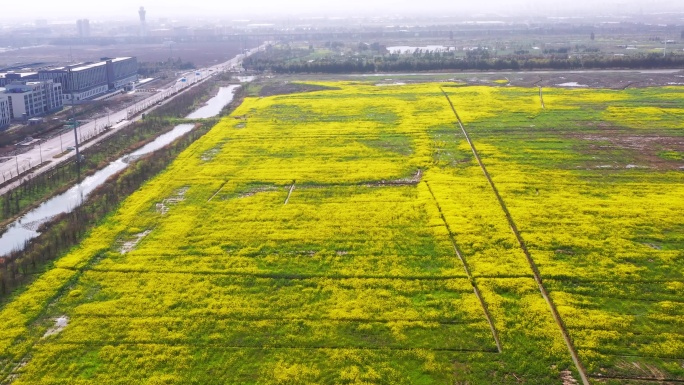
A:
[584,79]
[178,196]
[256,190]
[567,378]
[201,54]
[645,151]
[130,244]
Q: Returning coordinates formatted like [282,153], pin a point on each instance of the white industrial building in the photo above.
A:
[88,80]
[5,115]
[121,71]
[83,81]
[29,99]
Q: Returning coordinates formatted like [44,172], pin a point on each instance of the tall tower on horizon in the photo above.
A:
[83,27]
[143,25]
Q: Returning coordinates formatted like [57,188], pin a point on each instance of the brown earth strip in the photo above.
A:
[495,333]
[523,246]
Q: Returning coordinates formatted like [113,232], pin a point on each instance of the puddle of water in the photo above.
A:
[60,324]
[245,79]
[571,84]
[659,71]
[25,228]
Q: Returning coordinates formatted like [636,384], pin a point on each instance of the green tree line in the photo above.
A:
[479,61]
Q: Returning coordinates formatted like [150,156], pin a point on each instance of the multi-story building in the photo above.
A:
[83,27]
[5,116]
[80,81]
[88,80]
[121,71]
[28,99]
[11,77]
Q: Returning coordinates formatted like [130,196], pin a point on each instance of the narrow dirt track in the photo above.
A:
[535,270]
[495,333]
[290,192]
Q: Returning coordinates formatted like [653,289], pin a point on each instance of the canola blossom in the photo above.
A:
[349,236]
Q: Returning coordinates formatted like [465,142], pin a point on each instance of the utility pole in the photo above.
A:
[73,121]
[40,147]
[78,154]
[17,162]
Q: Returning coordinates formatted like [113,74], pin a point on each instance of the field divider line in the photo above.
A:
[535,270]
[278,275]
[243,318]
[644,379]
[290,192]
[265,347]
[575,280]
[632,356]
[488,316]
[625,298]
[218,191]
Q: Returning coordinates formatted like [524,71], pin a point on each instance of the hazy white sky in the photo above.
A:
[231,9]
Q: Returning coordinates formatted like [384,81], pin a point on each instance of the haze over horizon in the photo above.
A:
[181,9]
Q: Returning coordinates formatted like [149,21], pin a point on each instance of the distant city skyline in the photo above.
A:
[183,9]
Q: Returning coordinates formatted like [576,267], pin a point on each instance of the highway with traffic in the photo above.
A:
[44,152]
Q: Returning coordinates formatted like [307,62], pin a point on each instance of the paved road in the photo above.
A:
[45,151]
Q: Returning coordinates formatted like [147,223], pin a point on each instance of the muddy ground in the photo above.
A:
[611,147]
[618,148]
[201,54]
[596,79]
[611,79]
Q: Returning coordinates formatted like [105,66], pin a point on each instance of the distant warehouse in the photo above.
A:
[88,80]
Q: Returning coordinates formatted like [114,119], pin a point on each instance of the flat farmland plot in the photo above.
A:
[594,183]
[350,235]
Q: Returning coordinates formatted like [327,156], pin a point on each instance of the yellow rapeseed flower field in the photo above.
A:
[350,236]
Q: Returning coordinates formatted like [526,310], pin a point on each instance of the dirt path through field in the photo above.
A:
[290,192]
[523,246]
[488,316]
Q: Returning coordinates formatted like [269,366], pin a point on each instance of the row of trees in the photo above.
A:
[480,62]
[152,68]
